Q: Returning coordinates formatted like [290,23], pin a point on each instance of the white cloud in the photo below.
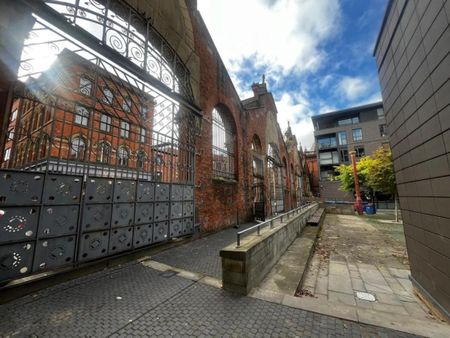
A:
[353,88]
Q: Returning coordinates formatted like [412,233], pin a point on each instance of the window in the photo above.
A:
[126,105]
[7,154]
[349,120]
[344,155]
[141,159]
[77,148]
[342,138]
[81,115]
[256,144]
[108,95]
[223,147]
[380,113]
[142,133]
[105,123]
[159,160]
[10,134]
[124,129]
[329,158]
[14,115]
[103,152]
[383,132]
[123,156]
[327,142]
[357,134]
[85,86]
[359,152]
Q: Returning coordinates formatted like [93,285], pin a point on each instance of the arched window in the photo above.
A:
[223,144]
[123,156]
[141,157]
[77,148]
[275,175]
[103,152]
[256,144]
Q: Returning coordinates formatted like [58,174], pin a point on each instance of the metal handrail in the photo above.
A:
[270,221]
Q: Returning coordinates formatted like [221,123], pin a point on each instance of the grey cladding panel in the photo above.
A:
[99,190]
[176,210]
[54,253]
[176,228]
[188,193]
[188,226]
[124,191]
[59,189]
[58,220]
[122,215]
[121,240]
[143,235]
[146,192]
[162,192]
[93,245]
[15,260]
[20,188]
[161,212]
[144,213]
[177,192]
[96,217]
[188,209]
[160,232]
[18,224]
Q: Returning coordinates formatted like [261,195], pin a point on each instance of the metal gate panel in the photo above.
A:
[188,226]
[124,191]
[176,192]
[16,260]
[176,210]
[122,214]
[161,212]
[121,239]
[54,253]
[162,192]
[146,192]
[160,231]
[188,209]
[96,217]
[17,224]
[58,220]
[93,245]
[188,193]
[62,189]
[142,235]
[99,190]
[21,188]
[176,228]
[143,213]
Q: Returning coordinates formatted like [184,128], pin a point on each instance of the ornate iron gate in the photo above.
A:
[99,157]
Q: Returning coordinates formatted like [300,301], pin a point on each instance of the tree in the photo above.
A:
[346,175]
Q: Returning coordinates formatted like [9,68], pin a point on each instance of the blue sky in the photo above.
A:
[316,54]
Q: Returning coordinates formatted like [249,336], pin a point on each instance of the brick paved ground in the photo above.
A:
[202,255]
[134,300]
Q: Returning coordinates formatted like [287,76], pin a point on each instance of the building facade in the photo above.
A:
[361,129]
[413,59]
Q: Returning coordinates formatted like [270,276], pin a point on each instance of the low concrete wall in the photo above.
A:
[245,267]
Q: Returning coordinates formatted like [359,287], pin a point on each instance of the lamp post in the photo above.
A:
[358,205]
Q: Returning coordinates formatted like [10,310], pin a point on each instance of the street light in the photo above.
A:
[358,205]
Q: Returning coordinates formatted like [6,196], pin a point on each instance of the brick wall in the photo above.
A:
[413,60]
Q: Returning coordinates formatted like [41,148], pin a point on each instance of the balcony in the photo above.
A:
[327,144]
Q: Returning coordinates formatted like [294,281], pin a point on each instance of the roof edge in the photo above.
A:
[348,110]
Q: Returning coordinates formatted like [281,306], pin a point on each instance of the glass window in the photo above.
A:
[124,129]
[359,152]
[380,113]
[126,105]
[81,115]
[348,120]
[383,130]
[108,95]
[141,159]
[104,152]
[123,155]
[223,146]
[344,155]
[14,115]
[105,123]
[77,148]
[342,137]
[7,154]
[330,157]
[10,134]
[357,134]
[85,86]
[142,133]
[327,142]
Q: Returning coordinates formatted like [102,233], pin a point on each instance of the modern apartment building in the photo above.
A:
[362,129]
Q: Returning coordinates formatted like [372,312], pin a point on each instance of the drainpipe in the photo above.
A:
[358,205]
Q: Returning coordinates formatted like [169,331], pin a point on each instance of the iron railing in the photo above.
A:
[269,222]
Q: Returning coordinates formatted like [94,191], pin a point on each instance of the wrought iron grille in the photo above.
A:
[96,161]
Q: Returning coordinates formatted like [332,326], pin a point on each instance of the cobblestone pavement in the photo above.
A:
[134,300]
[202,255]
